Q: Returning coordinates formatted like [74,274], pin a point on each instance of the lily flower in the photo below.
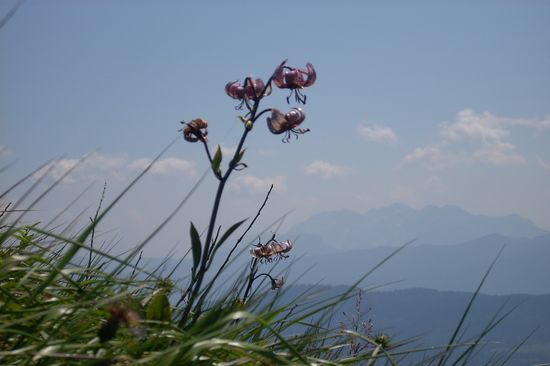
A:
[286,77]
[196,130]
[277,283]
[287,123]
[250,90]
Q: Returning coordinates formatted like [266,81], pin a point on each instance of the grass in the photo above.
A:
[63,301]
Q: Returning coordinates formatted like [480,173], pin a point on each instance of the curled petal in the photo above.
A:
[287,123]
[252,89]
[292,78]
[196,130]
[234,90]
[295,116]
[278,75]
[285,246]
[279,122]
[259,87]
[277,283]
[262,251]
[311,75]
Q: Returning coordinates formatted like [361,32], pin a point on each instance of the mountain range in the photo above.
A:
[522,267]
[452,251]
[397,224]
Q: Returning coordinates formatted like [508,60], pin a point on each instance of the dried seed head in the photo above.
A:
[120,313]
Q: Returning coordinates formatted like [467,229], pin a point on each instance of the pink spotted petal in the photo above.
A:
[295,117]
[311,75]
[278,75]
[277,122]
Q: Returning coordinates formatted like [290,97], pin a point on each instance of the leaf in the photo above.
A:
[159,307]
[196,246]
[216,161]
[228,232]
[240,156]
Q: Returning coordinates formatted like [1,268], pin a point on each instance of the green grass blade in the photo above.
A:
[447,353]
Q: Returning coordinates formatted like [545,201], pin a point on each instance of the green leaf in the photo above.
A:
[228,232]
[196,246]
[216,161]
[240,156]
[159,307]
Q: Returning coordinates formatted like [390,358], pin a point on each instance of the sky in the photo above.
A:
[424,103]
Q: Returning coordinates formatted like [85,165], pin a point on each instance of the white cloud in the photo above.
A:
[99,166]
[91,167]
[536,123]
[434,156]
[326,170]
[377,133]
[57,169]
[472,126]
[255,184]
[487,136]
[499,153]
[421,153]
[107,162]
[167,166]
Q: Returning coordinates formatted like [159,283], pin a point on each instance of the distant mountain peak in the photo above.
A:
[398,223]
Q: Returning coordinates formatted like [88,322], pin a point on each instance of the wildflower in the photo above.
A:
[287,123]
[270,249]
[262,251]
[196,130]
[277,283]
[250,90]
[286,77]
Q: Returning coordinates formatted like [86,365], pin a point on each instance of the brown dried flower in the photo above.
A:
[196,130]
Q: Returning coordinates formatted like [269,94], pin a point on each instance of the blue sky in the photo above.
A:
[425,103]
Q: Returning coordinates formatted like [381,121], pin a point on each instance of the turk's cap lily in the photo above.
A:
[279,123]
[251,89]
[196,130]
[277,283]
[286,77]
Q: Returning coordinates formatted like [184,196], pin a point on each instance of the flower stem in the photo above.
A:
[196,282]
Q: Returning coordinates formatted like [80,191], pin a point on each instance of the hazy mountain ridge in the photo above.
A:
[521,268]
[397,224]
